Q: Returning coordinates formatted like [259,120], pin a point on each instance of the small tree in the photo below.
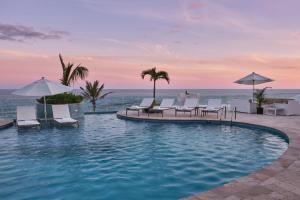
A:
[260,96]
[93,92]
[70,74]
[154,76]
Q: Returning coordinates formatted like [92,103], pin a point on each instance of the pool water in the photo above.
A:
[109,158]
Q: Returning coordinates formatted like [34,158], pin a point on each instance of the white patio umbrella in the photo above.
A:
[42,88]
[253,79]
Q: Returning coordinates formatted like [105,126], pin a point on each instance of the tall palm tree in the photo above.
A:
[93,92]
[154,76]
[70,74]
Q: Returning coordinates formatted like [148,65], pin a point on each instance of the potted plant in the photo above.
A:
[260,99]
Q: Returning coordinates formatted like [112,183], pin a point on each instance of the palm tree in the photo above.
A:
[71,75]
[154,76]
[260,96]
[92,92]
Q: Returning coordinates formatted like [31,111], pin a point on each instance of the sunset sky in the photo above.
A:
[202,44]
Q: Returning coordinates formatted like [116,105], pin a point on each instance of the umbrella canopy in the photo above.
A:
[253,79]
[42,88]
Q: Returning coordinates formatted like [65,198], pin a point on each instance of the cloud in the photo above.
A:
[128,8]
[195,5]
[20,54]
[186,72]
[141,47]
[21,33]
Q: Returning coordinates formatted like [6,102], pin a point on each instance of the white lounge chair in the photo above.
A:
[145,104]
[213,106]
[166,104]
[276,108]
[26,117]
[190,104]
[61,115]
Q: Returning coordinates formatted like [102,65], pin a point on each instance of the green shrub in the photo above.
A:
[65,98]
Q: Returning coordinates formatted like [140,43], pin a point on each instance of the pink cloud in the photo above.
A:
[195,5]
[124,72]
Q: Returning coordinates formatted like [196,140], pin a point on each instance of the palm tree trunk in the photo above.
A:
[94,106]
[154,89]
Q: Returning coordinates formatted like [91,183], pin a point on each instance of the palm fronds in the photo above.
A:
[154,76]
[92,92]
[260,96]
[70,75]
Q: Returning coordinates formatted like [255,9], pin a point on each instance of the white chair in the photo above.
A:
[181,97]
[145,104]
[166,104]
[190,104]
[276,108]
[26,117]
[213,106]
[61,115]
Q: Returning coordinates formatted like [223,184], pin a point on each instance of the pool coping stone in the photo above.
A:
[5,123]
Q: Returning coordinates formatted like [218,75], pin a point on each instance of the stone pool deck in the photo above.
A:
[278,181]
[4,123]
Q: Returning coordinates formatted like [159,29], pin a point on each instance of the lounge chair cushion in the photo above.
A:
[162,108]
[166,104]
[65,120]
[61,114]
[212,109]
[214,105]
[189,105]
[28,123]
[183,108]
[26,116]
[146,103]
[136,108]
[26,113]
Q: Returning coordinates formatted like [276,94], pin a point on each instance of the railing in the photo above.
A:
[233,114]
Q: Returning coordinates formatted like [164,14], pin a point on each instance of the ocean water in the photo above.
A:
[110,159]
[123,98]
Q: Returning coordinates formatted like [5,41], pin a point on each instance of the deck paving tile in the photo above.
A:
[254,191]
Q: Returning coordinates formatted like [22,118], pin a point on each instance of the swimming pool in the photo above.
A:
[108,158]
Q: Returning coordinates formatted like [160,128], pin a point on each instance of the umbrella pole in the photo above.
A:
[45,108]
[253,92]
